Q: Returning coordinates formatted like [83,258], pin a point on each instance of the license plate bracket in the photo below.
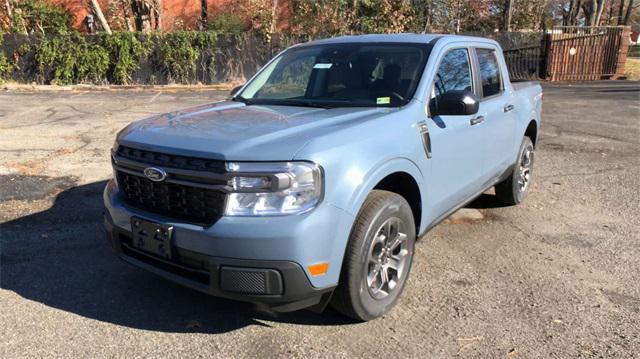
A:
[150,237]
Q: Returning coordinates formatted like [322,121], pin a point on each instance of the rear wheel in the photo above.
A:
[515,189]
[378,257]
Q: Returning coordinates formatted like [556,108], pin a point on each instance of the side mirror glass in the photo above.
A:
[454,103]
[235,90]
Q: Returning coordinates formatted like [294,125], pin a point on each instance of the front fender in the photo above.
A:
[376,174]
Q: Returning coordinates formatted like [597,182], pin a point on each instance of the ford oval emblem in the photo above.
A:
[155,174]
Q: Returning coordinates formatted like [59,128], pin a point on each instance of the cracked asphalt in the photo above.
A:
[556,277]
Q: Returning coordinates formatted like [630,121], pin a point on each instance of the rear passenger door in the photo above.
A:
[496,107]
[457,145]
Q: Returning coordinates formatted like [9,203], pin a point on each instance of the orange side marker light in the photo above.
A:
[318,269]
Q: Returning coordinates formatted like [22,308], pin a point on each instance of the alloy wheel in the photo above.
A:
[388,258]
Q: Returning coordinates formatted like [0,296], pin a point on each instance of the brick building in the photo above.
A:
[176,14]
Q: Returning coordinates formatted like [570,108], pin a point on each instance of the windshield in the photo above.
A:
[340,75]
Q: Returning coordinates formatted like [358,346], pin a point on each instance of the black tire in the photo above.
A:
[355,296]
[515,189]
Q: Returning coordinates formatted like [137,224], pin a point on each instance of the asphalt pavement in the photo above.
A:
[554,277]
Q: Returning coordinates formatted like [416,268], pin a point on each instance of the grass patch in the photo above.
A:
[632,69]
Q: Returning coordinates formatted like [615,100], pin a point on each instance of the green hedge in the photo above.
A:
[5,65]
[184,57]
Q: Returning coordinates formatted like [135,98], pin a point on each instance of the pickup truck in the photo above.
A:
[310,186]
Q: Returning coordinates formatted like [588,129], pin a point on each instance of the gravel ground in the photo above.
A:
[554,277]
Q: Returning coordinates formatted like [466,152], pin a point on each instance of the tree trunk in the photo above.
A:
[571,16]
[127,15]
[588,9]
[620,13]
[458,16]
[8,6]
[506,18]
[157,13]
[142,15]
[204,14]
[274,17]
[598,18]
[610,12]
[100,15]
[427,21]
[576,11]
[627,16]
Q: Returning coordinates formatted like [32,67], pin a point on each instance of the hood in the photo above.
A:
[234,131]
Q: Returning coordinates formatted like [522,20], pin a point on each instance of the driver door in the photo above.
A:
[457,147]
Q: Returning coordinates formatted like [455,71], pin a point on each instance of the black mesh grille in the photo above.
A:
[166,160]
[239,281]
[186,203]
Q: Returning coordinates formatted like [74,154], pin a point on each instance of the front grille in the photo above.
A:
[174,161]
[182,202]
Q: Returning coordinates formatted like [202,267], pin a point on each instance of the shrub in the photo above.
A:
[40,17]
[93,64]
[180,51]
[125,52]
[5,66]
[68,59]
[126,57]
[228,23]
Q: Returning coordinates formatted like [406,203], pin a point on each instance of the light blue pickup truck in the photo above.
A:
[311,185]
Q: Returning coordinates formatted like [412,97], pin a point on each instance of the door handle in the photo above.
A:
[508,108]
[426,138]
[477,120]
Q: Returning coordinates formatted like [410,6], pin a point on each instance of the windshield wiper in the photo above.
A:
[301,103]
[310,104]
[239,98]
[280,102]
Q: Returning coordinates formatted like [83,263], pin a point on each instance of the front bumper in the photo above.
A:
[260,260]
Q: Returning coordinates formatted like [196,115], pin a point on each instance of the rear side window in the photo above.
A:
[489,72]
[454,73]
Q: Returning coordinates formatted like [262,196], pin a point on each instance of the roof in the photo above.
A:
[405,37]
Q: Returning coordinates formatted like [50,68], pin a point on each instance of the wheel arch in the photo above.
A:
[532,132]
[405,185]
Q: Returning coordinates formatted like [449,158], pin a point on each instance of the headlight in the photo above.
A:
[273,189]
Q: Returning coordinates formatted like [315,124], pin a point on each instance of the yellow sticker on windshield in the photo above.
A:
[383,100]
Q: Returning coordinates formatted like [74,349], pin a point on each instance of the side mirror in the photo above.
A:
[235,90]
[454,103]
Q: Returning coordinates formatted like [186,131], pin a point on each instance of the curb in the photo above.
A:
[55,88]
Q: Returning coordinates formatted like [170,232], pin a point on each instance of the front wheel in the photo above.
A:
[378,257]
[515,189]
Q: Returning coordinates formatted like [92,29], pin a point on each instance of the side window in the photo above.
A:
[489,72]
[454,73]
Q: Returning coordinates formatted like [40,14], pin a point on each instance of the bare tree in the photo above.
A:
[126,6]
[508,12]
[98,11]
[600,5]
[627,16]
[157,14]
[204,14]
[8,5]
[274,17]
[570,16]
[593,11]
[142,14]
